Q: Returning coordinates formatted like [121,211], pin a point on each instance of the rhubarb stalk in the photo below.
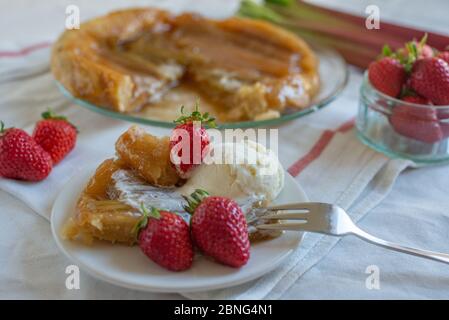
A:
[344,32]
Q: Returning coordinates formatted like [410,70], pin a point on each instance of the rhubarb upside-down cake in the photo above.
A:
[134,59]
[142,174]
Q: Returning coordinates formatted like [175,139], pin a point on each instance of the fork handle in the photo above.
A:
[441,257]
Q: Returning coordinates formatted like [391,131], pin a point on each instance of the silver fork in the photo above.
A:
[332,220]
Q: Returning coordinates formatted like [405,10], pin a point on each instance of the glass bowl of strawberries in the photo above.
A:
[404,104]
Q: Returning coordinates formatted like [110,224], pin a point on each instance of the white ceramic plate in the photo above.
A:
[129,267]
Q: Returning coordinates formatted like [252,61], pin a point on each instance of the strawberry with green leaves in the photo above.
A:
[419,75]
[56,135]
[190,136]
[426,72]
[218,228]
[164,237]
[389,74]
[21,157]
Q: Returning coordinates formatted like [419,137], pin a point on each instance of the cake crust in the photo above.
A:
[131,58]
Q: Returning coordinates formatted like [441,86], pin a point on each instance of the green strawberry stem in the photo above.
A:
[280,2]
[142,223]
[423,40]
[3,128]
[386,51]
[407,92]
[51,115]
[408,55]
[196,115]
[194,200]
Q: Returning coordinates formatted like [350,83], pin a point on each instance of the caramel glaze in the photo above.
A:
[245,67]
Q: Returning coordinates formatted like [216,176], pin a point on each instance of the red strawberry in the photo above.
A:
[387,75]
[444,56]
[164,237]
[430,79]
[191,137]
[443,116]
[219,229]
[415,122]
[417,100]
[56,135]
[21,157]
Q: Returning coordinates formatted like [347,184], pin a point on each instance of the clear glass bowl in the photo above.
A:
[402,130]
[333,73]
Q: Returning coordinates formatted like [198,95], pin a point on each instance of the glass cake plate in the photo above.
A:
[333,73]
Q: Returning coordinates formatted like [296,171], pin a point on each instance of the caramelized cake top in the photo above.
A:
[132,58]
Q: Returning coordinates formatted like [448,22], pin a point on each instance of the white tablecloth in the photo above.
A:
[416,212]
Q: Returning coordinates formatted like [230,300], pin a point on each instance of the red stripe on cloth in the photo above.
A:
[24,51]
[348,125]
[324,140]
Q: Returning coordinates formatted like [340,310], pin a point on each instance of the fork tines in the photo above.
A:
[292,211]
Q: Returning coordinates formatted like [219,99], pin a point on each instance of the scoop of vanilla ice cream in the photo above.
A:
[238,171]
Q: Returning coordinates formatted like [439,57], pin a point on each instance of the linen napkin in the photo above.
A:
[40,196]
[330,164]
